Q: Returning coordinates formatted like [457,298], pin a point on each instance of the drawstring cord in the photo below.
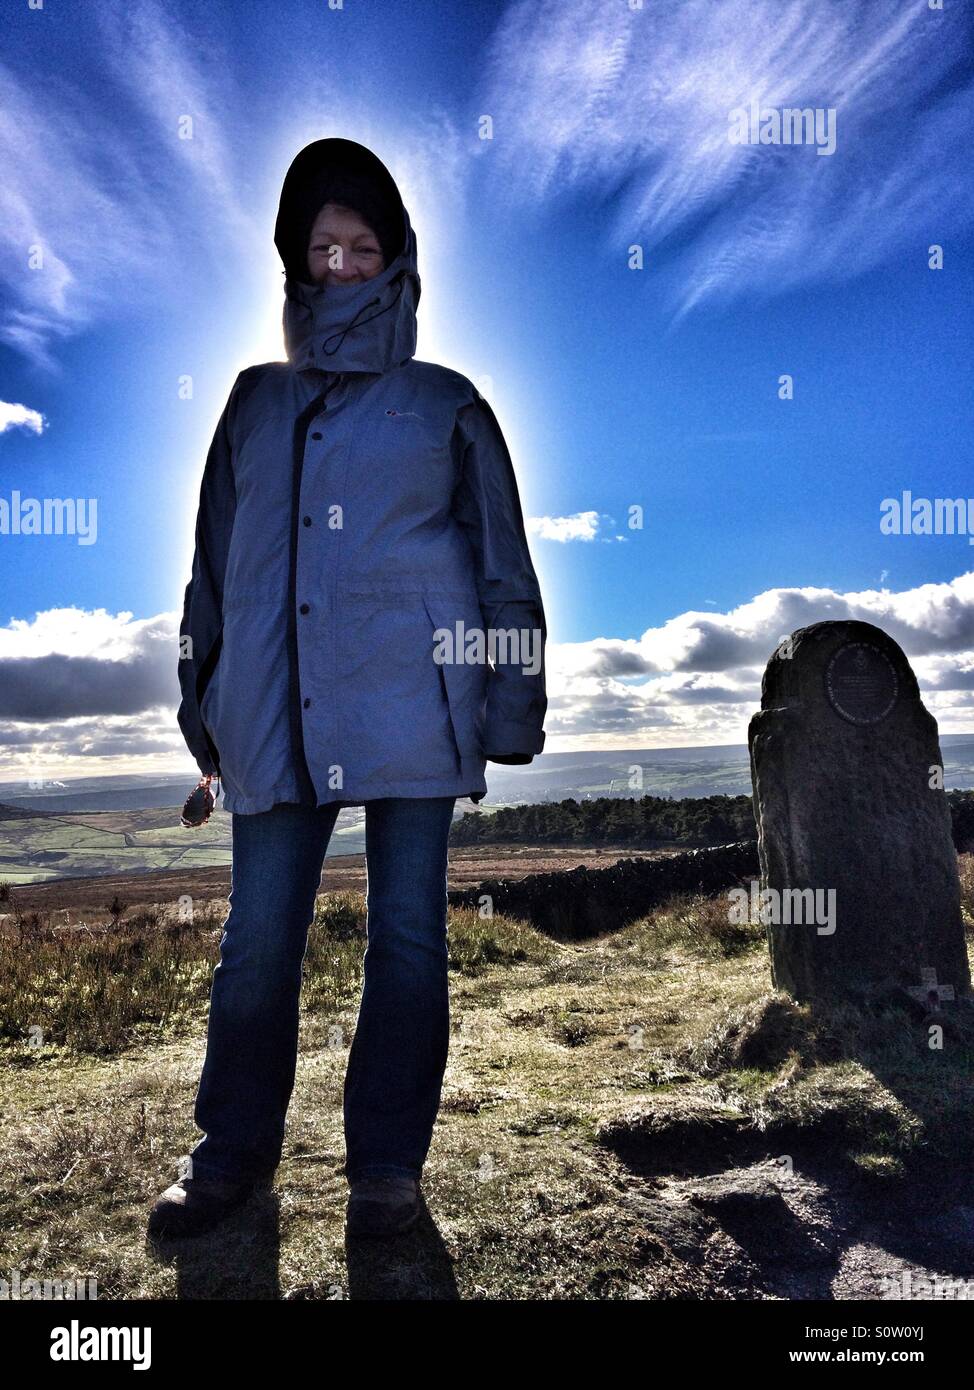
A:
[330,352]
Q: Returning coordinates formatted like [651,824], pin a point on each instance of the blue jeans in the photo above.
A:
[399,1051]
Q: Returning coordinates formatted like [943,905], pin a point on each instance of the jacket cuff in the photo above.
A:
[506,736]
[206,765]
[196,738]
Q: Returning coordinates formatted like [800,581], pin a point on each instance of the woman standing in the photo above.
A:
[359,525]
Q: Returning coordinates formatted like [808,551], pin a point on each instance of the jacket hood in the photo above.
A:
[367,327]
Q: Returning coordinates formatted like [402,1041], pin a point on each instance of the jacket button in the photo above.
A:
[316,435]
[307,703]
[305,608]
[307,521]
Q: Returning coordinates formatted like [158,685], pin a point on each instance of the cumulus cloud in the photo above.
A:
[73,664]
[20,416]
[697,677]
[610,102]
[580,526]
[84,690]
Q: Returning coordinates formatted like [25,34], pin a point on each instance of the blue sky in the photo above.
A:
[616,387]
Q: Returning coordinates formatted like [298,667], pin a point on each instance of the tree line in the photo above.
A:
[645,822]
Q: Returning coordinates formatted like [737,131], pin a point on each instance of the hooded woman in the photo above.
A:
[360,553]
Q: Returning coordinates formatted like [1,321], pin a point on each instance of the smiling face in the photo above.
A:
[342,248]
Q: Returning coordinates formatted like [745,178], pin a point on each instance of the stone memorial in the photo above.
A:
[859,884]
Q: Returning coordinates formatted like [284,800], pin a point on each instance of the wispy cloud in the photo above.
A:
[20,416]
[97,194]
[104,203]
[602,101]
[180,83]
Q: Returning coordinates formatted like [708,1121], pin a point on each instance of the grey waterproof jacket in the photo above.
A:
[356,506]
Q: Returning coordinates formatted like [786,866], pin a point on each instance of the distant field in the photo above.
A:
[39,846]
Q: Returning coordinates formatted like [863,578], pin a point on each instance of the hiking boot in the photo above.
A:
[382,1206]
[194,1205]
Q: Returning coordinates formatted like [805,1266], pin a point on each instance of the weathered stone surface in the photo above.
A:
[844,760]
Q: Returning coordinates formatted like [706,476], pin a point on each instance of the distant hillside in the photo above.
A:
[19,812]
[697,772]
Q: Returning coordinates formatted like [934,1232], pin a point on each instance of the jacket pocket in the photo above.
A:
[464,682]
[394,713]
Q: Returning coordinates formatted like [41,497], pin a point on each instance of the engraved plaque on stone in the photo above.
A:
[861,682]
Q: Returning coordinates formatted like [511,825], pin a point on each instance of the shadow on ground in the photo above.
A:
[241,1260]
